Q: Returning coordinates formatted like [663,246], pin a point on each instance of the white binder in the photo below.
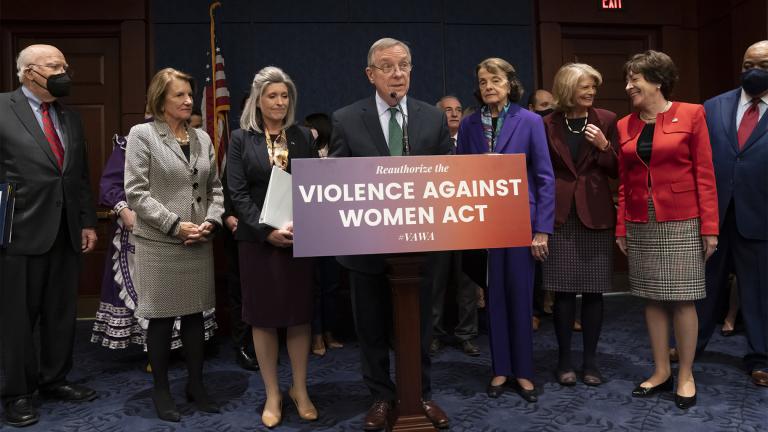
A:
[277,210]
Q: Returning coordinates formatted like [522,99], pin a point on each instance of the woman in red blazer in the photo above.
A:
[667,220]
[582,146]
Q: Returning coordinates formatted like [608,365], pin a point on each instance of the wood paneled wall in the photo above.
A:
[706,39]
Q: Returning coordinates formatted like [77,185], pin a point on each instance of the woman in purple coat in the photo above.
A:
[501,126]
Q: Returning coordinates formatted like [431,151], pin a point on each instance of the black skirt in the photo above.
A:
[277,288]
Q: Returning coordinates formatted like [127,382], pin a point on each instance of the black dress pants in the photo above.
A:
[372,308]
[241,332]
[37,290]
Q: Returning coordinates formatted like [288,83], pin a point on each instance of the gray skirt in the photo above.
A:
[580,259]
[666,259]
[172,279]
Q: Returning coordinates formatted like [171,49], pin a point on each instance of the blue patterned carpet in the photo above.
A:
[727,399]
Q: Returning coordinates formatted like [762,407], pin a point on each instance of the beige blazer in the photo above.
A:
[161,186]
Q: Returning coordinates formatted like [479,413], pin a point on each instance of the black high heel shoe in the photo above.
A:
[165,407]
[666,386]
[684,402]
[202,401]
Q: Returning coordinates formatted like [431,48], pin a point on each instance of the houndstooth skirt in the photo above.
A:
[666,259]
[580,259]
[172,279]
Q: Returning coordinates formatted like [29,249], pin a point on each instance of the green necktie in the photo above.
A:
[395,134]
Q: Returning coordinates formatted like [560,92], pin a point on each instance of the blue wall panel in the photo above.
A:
[396,11]
[462,54]
[323,44]
[508,12]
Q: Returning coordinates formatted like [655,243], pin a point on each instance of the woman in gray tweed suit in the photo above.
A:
[172,184]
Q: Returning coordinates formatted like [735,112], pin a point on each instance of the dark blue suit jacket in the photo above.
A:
[741,175]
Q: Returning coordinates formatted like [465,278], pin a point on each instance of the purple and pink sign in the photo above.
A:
[352,206]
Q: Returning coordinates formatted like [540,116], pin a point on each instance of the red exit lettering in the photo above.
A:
[611,4]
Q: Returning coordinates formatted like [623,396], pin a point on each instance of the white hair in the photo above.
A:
[439,103]
[26,57]
[251,118]
[385,43]
[23,61]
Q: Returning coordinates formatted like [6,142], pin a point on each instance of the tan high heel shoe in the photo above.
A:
[271,420]
[331,341]
[309,414]
[318,345]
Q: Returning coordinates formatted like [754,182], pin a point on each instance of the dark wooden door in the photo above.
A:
[95,62]
[606,50]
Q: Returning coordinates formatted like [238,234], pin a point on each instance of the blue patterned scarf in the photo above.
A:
[485,116]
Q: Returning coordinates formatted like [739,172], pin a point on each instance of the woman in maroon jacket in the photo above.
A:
[667,220]
[582,145]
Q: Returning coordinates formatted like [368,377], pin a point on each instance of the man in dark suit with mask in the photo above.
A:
[374,127]
[738,132]
[42,152]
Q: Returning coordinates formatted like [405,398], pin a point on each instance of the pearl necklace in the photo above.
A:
[184,140]
[666,108]
[583,128]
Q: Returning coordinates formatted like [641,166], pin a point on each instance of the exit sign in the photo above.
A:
[611,4]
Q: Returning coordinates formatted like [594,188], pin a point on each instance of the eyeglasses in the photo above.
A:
[387,68]
[56,67]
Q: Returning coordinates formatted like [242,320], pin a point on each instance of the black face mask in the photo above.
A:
[754,81]
[58,85]
[545,112]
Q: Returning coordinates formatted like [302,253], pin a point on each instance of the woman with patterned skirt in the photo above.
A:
[667,221]
[582,145]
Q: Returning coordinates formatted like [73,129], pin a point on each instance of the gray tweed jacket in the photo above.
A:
[161,186]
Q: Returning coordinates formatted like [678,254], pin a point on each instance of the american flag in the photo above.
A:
[215,103]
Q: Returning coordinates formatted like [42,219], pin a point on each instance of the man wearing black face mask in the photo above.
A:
[541,102]
[42,151]
[737,126]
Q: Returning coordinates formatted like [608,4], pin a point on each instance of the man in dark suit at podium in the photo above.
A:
[42,151]
[375,127]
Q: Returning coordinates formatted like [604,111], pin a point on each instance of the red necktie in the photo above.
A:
[748,123]
[53,138]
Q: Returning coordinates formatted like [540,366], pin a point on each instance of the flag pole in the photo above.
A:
[211,8]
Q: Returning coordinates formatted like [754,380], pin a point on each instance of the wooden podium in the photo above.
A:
[405,273]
